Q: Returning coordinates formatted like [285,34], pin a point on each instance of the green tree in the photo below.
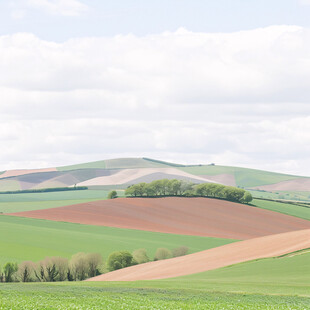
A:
[247,197]
[140,256]
[9,270]
[118,260]
[162,253]
[112,195]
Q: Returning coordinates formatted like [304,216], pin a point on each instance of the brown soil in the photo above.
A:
[178,215]
[226,255]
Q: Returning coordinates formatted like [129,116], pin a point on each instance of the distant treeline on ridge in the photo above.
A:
[166,187]
[44,190]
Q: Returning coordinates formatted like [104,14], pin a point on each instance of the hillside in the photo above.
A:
[122,172]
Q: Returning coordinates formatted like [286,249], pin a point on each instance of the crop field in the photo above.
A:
[37,201]
[285,208]
[244,177]
[80,296]
[29,239]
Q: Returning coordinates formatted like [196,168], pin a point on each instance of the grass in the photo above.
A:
[244,177]
[72,296]
[274,283]
[118,163]
[36,201]
[286,208]
[286,195]
[33,239]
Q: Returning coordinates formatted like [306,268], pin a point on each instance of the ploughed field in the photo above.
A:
[178,215]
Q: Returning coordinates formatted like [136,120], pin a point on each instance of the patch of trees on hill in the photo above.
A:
[166,187]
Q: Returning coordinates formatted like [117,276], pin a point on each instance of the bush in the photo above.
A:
[162,253]
[140,256]
[118,260]
[182,250]
[9,271]
[25,271]
[112,195]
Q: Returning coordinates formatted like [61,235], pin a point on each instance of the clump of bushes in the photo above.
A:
[176,187]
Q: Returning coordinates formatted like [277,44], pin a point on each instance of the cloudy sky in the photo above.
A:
[198,81]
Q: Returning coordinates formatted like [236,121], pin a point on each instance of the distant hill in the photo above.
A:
[122,172]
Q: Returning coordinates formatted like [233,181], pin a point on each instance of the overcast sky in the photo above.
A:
[198,81]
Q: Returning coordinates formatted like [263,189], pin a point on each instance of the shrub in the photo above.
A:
[118,260]
[140,256]
[112,195]
[9,270]
[180,251]
[25,271]
[162,253]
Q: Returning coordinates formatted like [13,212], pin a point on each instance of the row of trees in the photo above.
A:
[122,259]
[51,269]
[166,187]
[80,267]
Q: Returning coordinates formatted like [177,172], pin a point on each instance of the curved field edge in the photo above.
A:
[71,296]
[288,275]
[284,208]
[31,239]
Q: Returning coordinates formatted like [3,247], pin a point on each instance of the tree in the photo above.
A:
[180,251]
[79,266]
[140,256]
[94,260]
[162,253]
[247,197]
[112,195]
[118,260]
[9,270]
[26,271]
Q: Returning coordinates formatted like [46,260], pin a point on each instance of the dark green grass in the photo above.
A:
[63,297]
[32,239]
[289,209]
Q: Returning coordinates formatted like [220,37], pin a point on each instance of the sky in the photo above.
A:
[191,82]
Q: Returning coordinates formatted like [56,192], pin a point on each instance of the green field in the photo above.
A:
[118,163]
[244,177]
[286,208]
[32,239]
[82,296]
[36,201]
[273,283]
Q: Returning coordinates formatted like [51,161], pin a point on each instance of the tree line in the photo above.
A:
[174,187]
[80,267]
[45,190]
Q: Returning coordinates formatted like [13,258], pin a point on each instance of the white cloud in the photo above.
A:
[54,7]
[236,99]
[304,2]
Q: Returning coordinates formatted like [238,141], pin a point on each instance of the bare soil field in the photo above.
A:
[263,247]
[130,175]
[178,215]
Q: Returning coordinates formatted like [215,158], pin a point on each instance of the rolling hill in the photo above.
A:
[122,172]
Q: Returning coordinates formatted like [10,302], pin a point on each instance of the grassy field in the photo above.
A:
[286,208]
[37,201]
[244,177]
[293,195]
[31,239]
[72,296]
[118,163]
[274,283]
